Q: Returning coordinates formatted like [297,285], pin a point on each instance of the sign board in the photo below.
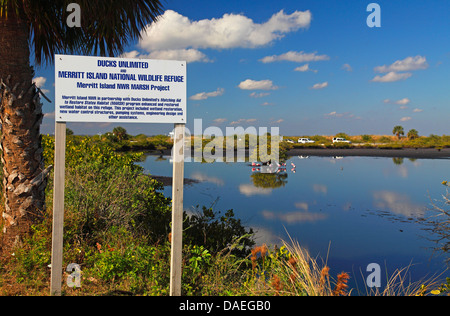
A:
[119,90]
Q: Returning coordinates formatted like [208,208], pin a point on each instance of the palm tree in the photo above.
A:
[40,26]
[120,133]
[398,130]
[412,134]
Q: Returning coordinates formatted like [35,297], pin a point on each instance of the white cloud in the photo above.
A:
[335,114]
[398,70]
[407,64]
[347,67]
[417,110]
[206,95]
[299,57]
[302,205]
[40,82]
[405,119]
[392,76]
[397,203]
[257,85]
[259,95]
[305,68]
[344,115]
[293,217]
[320,85]
[205,178]
[220,120]
[50,115]
[132,54]
[403,101]
[320,188]
[240,121]
[250,190]
[174,31]
[189,55]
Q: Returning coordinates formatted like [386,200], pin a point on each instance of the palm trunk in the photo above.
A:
[21,115]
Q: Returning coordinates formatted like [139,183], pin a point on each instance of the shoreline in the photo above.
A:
[419,153]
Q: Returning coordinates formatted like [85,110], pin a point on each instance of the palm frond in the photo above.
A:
[106,26]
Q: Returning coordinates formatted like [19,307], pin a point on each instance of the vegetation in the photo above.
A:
[117,228]
[413,134]
[39,28]
[120,133]
[163,143]
[398,130]
[378,141]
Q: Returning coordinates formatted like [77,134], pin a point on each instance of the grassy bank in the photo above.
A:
[117,228]
[374,141]
[162,142]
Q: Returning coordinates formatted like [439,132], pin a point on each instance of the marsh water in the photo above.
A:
[350,211]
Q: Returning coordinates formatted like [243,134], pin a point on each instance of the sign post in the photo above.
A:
[119,90]
[58,208]
[177,210]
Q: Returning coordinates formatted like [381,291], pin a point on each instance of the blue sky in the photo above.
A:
[309,67]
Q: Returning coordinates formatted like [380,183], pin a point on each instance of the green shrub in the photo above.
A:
[343,135]
[131,263]
[391,146]
[385,139]
[342,145]
[107,189]
[366,138]
[32,259]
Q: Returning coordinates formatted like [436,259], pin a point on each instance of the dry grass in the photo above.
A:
[400,284]
[299,274]
[304,274]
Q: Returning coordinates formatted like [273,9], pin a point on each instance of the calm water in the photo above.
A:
[365,210]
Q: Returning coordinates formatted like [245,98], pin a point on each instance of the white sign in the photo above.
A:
[119,90]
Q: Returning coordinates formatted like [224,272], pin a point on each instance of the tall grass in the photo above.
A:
[400,284]
[303,273]
[291,271]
